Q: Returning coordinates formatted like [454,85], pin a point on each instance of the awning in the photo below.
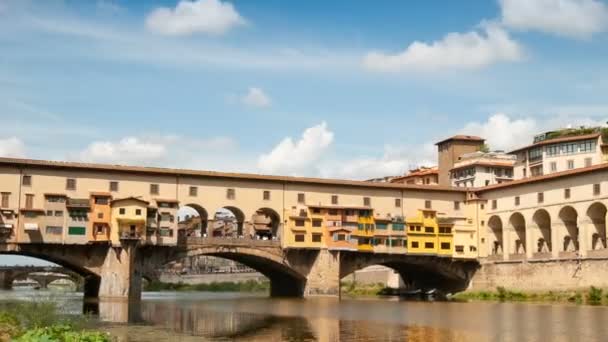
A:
[6,225]
[30,226]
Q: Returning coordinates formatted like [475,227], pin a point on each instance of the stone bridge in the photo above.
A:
[43,275]
[117,272]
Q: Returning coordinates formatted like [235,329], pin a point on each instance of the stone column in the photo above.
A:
[6,280]
[585,229]
[531,232]
[120,274]
[506,242]
[557,243]
[324,276]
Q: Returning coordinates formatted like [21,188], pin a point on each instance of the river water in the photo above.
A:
[204,316]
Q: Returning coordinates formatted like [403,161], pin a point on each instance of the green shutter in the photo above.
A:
[77,230]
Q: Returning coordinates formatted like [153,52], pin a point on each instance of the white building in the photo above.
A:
[479,169]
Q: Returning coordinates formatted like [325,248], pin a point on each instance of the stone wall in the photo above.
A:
[542,275]
[195,279]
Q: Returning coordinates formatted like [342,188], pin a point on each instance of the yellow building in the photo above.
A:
[426,236]
[365,230]
[128,219]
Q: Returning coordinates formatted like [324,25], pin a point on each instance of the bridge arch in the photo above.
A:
[568,229]
[193,226]
[226,226]
[495,231]
[517,223]
[541,236]
[597,215]
[266,223]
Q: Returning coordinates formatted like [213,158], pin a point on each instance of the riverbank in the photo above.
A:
[227,286]
[591,296]
[352,289]
[43,321]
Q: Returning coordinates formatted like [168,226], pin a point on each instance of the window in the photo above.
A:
[524,173]
[570,164]
[553,150]
[482,206]
[70,184]
[567,193]
[596,189]
[536,153]
[553,166]
[58,213]
[587,146]
[456,205]
[428,204]
[299,237]
[49,213]
[367,201]
[316,223]
[487,182]
[230,194]
[588,162]
[299,223]
[301,198]
[121,211]
[266,195]
[26,180]
[541,197]
[54,230]
[429,245]
[398,226]
[397,202]
[569,148]
[193,191]
[166,231]
[381,226]
[332,212]
[5,197]
[100,215]
[77,230]
[445,230]
[99,229]
[316,237]
[334,199]
[316,211]
[29,201]
[536,171]
[414,244]
[494,204]
[138,212]
[101,200]
[459,248]
[166,217]
[445,245]
[113,186]
[153,189]
[429,230]
[340,237]
[516,200]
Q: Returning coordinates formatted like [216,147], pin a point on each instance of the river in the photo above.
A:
[205,316]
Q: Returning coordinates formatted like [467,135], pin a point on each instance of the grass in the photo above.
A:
[591,296]
[43,321]
[350,288]
[228,286]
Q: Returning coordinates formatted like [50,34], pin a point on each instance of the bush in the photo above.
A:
[62,333]
[594,296]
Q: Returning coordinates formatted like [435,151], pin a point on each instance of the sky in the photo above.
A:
[341,89]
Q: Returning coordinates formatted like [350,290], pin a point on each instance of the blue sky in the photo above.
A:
[348,89]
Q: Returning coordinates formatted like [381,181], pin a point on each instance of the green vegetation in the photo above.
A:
[350,288]
[42,321]
[592,296]
[226,286]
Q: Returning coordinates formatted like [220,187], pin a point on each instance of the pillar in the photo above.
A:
[585,231]
[323,279]
[506,242]
[531,232]
[557,242]
[121,273]
[6,280]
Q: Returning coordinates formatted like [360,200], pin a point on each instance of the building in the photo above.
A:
[449,150]
[479,169]
[422,175]
[561,150]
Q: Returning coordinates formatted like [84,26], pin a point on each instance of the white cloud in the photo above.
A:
[12,147]
[472,50]
[125,151]
[298,157]
[256,97]
[567,18]
[189,17]
[502,132]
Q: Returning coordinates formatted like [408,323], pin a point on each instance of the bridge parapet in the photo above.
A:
[231,242]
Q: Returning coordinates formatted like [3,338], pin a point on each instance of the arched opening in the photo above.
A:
[542,235]
[569,229]
[495,244]
[192,221]
[266,224]
[228,222]
[597,216]
[518,234]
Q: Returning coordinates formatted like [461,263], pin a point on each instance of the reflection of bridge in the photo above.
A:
[42,275]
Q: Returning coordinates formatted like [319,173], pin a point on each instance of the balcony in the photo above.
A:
[128,235]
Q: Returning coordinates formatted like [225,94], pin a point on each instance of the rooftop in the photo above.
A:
[566,135]
[461,137]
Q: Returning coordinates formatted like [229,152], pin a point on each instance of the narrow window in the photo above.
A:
[367,201]
[494,204]
[482,206]
[70,184]
[5,198]
[29,201]
[456,205]
[153,189]
[113,186]
[316,237]
[27,180]
[301,198]
[193,191]
[427,204]
[596,189]
[588,162]
[553,166]
[429,245]
[570,164]
[100,215]
[230,194]
[334,199]
[316,223]
[266,195]
[541,197]
[299,237]
[299,223]
[445,245]
[137,212]
[121,211]
[567,193]
[59,213]
[429,230]
[397,202]
[516,200]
